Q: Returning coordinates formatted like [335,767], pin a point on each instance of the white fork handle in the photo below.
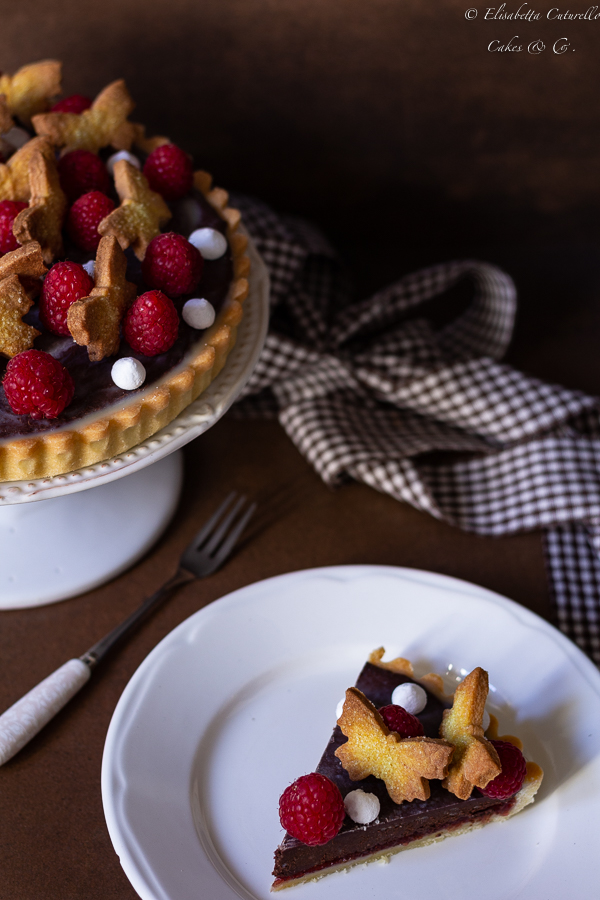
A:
[27,716]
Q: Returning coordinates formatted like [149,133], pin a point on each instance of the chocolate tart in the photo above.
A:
[84,436]
[403,826]
[103,420]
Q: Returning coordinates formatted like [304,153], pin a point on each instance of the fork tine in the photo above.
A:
[207,528]
[219,534]
[229,543]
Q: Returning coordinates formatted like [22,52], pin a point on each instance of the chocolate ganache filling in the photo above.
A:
[94,387]
[396,824]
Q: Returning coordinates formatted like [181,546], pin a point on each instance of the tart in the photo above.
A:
[437,814]
[103,419]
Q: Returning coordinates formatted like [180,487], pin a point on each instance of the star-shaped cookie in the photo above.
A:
[141,213]
[404,764]
[94,321]
[104,123]
[475,760]
[42,220]
[15,335]
[30,89]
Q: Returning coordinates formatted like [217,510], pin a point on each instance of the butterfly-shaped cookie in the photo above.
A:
[42,220]
[404,764]
[26,261]
[30,89]
[15,335]
[15,297]
[475,761]
[14,175]
[94,321]
[142,211]
[104,123]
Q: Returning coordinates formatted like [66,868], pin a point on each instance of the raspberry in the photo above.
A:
[65,283]
[172,264]
[37,384]
[169,172]
[9,210]
[80,172]
[403,723]
[151,324]
[76,103]
[511,778]
[84,217]
[312,809]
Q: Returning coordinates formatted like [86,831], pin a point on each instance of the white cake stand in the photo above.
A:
[73,538]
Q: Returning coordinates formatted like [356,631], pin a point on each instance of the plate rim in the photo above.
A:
[528,618]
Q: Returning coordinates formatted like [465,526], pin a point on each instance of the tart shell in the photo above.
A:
[100,436]
[525,796]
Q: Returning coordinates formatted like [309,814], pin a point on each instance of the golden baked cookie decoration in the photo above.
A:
[30,90]
[42,221]
[103,124]
[141,214]
[94,321]
[15,335]
[14,175]
[404,764]
[475,761]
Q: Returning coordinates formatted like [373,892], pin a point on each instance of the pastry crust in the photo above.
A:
[120,427]
[526,795]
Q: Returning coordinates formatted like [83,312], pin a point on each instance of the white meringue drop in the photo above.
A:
[90,268]
[339,708]
[362,807]
[210,242]
[122,154]
[128,373]
[410,697]
[198,313]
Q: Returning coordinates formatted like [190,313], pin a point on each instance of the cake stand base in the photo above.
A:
[54,549]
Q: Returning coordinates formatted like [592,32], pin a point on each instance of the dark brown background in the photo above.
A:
[390,124]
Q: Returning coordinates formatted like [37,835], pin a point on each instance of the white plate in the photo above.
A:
[240,699]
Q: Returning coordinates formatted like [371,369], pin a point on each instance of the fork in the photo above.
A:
[204,555]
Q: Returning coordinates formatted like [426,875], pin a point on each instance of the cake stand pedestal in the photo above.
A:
[58,548]
[64,535]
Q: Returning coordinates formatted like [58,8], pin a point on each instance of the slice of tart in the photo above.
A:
[446,803]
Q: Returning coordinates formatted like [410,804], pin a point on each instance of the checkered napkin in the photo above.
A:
[388,392]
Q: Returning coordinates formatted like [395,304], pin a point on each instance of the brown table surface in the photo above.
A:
[391,126]
[54,840]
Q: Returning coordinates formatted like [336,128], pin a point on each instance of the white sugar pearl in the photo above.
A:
[211,243]
[411,697]
[361,807]
[122,154]
[339,708]
[128,373]
[198,313]
[486,720]
[90,268]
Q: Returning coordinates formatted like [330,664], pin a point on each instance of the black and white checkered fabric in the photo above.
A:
[394,393]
